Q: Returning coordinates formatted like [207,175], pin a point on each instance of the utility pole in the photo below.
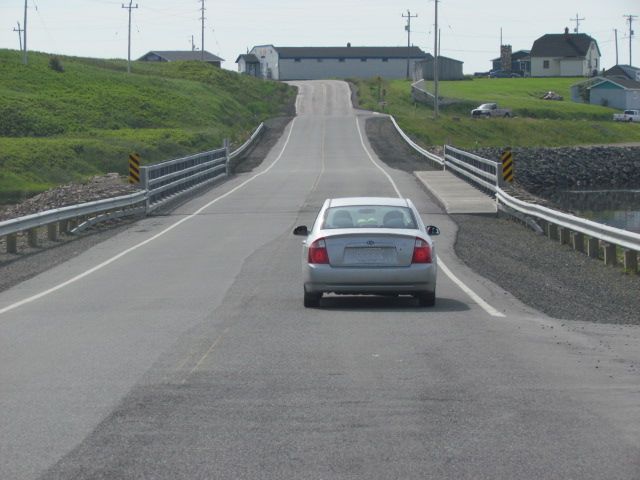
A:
[24,57]
[408,16]
[630,20]
[19,30]
[577,20]
[130,7]
[436,107]
[615,30]
[202,18]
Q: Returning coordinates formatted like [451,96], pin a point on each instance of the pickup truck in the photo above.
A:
[627,116]
[490,110]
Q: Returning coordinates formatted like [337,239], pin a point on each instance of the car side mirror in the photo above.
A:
[301,230]
[432,230]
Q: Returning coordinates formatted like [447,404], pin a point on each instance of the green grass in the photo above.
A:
[538,123]
[57,127]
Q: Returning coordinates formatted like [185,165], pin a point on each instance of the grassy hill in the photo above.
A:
[62,126]
[538,122]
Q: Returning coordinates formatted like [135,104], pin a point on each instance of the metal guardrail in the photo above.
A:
[415,146]
[487,175]
[161,182]
[605,233]
[258,131]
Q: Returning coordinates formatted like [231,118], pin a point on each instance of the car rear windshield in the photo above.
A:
[369,216]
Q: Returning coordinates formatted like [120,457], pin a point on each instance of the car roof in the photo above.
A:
[386,201]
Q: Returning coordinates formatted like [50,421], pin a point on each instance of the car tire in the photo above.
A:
[426,299]
[506,115]
[312,300]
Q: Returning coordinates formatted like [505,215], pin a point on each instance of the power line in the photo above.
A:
[130,7]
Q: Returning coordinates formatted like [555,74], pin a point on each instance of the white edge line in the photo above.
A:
[25,301]
[376,163]
[473,295]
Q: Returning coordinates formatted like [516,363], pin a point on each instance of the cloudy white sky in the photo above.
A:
[470,29]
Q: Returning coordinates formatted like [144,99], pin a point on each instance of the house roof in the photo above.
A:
[563,45]
[628,71]
[182,55]
[516,55]
[623,82]
[351,52]
[248,58]
[429,59]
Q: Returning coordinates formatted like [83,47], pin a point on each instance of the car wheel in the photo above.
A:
[426,299]
[506,115]
[312,300]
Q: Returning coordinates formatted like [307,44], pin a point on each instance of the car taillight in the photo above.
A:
[421,252]
[318,252]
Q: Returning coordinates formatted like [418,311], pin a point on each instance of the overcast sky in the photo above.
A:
[470,29]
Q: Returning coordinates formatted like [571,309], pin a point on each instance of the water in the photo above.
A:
[617,208]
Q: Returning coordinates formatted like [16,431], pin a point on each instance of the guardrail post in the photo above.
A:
[630,261]
[52,232]
[12,243]
[609,254]
[593,247]
[552,231]
[499,179]
[564,235]
[144,181]
[227,160]
[444,159]
[577,241]
[32,237]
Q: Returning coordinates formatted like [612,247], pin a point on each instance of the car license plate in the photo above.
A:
[367,255]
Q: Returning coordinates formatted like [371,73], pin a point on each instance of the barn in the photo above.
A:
[314,63]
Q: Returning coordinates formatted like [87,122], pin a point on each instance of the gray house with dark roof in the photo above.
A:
[565,55]
[177,56]
[313,63]
[249,65]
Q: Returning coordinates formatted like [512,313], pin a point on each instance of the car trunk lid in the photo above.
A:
[370,249]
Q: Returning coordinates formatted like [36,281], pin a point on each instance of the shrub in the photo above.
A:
[55,64]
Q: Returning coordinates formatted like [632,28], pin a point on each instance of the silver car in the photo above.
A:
[368,245]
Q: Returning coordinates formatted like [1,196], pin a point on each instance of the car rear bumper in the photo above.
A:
[402,280]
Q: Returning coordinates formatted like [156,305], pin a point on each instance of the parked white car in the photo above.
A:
[490,110]
[627,116]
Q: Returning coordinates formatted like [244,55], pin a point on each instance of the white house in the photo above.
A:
[312,63]
[565,55]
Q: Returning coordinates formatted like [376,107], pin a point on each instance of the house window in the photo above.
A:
[341,59]
[545,64]
[363,59]
[385,59]
[297,60]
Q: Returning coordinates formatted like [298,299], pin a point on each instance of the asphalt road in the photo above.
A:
[180,349]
